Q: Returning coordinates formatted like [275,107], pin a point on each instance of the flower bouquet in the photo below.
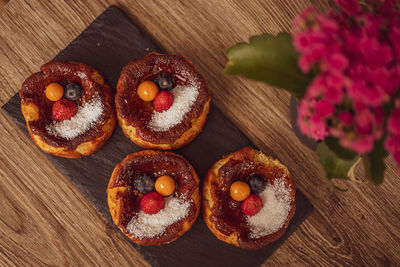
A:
[343,66]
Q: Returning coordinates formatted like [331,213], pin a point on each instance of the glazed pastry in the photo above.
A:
[68,109]
[154,197]
[162,101]
[248,199]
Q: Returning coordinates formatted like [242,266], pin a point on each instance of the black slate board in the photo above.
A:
[108,44]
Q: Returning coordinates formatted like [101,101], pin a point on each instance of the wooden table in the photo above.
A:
[45,220]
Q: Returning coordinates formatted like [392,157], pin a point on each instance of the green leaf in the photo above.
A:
[341,152]
[271,59]
[374,162]
[334,166]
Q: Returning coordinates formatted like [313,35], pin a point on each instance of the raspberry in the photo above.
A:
[152,203]
[64,109]
[252,205]
[163,101]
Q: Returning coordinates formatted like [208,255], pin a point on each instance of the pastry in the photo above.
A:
[153,197]
[161,101]
[68,109]
[248,199]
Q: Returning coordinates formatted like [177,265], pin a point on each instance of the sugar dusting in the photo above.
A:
[274,213]
[145,225]
[184,98]
[86,116]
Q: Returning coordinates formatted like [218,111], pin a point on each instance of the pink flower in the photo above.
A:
[334,95]
[386,54]
[305,63]
[317,36]
[364,122]
[375,95]
[335,83]
[318,52]
[336,80]
[358,70]
[394,36]
[362,144]
[350,6]
[387,8]
[392,144]
[380,76]
[368,47]
[324,108]
[394,122]
[304,125]
[337,62]
[319,129]
[359,106]
[351,41]
[356,52]
[301,42]
[370,24]
[367,93]
[356,91]
[317,88]
[304,109]
[346,117]
[393,80]
[328,25]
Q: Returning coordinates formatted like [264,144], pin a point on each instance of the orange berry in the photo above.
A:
[54,91]
[147,90]
[165,185]
[239,190]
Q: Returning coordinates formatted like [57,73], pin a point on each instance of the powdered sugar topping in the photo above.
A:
[184,98]
[145,225]
[276,200]
[86,116]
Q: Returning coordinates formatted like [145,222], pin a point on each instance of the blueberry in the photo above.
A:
[257,183]
[144,183]
[73,91]
[164,81]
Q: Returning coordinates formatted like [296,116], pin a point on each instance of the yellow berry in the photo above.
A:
[147,90]
[165,185]
[54,91]
[239,190]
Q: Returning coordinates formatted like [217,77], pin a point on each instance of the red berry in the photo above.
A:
[163,101]
[64,109]
[252,205]
[152,203]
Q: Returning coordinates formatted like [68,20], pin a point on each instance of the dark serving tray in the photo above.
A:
[108,44]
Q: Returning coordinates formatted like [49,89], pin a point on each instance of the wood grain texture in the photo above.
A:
[45,221]
[3,2]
